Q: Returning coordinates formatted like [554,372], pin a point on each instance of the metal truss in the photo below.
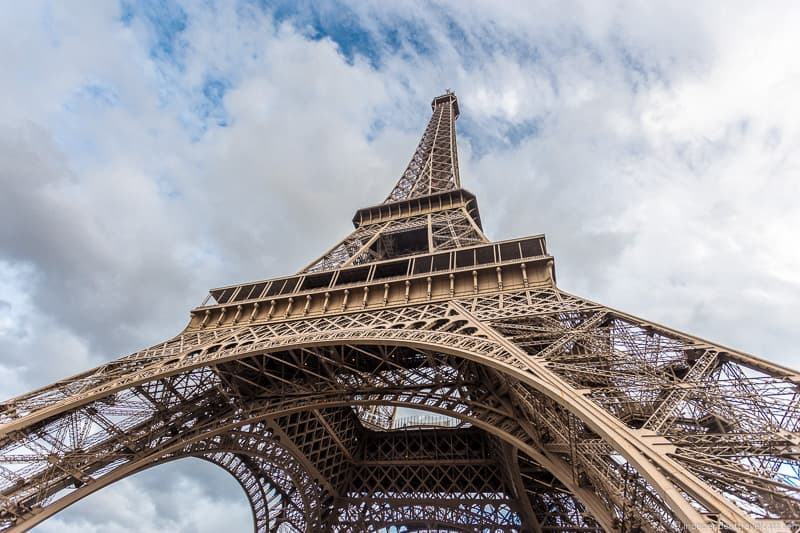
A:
[434,166]
[448,229]
[547,412]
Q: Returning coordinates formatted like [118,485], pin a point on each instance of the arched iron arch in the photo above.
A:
[485,350]
[228,458]
[591,502]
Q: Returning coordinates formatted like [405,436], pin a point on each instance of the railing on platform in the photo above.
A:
[426,421]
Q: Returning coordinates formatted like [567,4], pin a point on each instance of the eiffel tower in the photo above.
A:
[421,377]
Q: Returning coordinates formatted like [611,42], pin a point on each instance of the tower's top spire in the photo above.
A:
[427,210]
[449,97]
[434,166]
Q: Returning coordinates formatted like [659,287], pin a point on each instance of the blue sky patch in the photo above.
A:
[208,107]
[211,107]
[95,93]
[339,23]
[497,134]
[166,20]
[334,21]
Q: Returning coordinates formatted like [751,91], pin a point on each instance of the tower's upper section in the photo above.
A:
[434,166]
[424,242]
[426,211]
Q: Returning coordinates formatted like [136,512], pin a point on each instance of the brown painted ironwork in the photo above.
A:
[532,409]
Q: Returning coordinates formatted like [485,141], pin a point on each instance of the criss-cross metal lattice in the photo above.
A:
[532,409]
[434,166]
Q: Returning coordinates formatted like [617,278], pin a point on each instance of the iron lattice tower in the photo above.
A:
[544,411]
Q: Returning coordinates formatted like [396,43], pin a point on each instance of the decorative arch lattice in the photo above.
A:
[464,365]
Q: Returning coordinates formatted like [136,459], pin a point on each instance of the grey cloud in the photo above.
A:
[186,496]
[92,244]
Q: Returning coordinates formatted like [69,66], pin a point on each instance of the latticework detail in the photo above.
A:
[434,166]
[448,229]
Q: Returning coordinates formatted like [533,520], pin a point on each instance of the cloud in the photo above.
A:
[151,150]
[187,496]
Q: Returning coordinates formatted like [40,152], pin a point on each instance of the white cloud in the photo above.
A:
[187,496]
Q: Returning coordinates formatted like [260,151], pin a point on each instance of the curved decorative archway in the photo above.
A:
[255,443]
[263,369]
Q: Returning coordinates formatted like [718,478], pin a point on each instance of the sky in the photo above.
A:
[151,150]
